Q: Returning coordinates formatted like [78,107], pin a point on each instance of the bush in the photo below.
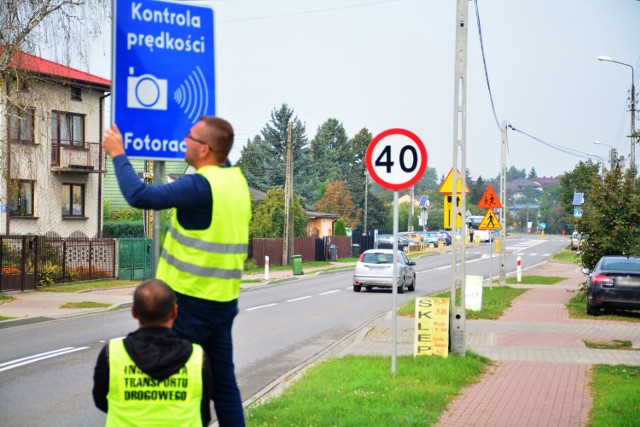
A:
[48,274]
[119,229]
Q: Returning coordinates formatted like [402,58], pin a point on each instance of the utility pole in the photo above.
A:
[503,201]
[366,196]
[457,314]
[287,241]
[633,121]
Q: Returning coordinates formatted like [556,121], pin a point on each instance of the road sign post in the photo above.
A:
[396,159]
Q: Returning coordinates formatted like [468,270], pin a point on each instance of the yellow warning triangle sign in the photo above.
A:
[447,185]
[489,200]
[490,222]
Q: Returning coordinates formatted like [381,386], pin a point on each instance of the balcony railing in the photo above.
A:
[74,156]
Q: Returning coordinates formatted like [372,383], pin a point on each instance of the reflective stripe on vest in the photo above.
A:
[208,263]
[136,399]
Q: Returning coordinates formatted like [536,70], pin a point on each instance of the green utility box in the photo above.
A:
[296,263]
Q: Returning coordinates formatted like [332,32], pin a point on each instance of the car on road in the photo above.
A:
[374,269]
[614,283]
[484,235]
[385,241]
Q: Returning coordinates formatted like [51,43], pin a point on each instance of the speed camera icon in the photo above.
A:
[146,92]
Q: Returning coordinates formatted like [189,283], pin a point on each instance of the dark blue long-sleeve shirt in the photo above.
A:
[191,195]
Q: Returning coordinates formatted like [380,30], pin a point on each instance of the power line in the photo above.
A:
[484,62]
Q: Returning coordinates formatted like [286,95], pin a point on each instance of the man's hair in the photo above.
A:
[153,301]
[218,134]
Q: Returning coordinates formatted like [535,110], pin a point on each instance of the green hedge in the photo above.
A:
[119,229]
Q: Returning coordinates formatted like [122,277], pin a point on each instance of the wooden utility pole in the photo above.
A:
[287,241]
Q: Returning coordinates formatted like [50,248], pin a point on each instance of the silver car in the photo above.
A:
[375,269]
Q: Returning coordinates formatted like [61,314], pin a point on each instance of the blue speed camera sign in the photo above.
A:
[163,74]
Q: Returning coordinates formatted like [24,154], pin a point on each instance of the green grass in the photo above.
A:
[5,318]
[616,401]
[85,304]
[576,307]
[566,255]
[360,391]
[494,302]
[609,345]
[87,286]
[6,298]
[535,280]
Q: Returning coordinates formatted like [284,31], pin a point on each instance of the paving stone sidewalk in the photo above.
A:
[542,369]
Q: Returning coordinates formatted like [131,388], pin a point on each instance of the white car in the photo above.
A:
[484,235]
[375,269]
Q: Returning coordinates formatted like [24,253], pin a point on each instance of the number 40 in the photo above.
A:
[384,159]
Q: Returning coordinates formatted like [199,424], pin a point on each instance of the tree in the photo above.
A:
[579,180]
[356,172]
[268,216]
[340,229]
[513,173]
[532,173]
[377,213]
[331,152]
[336,199]
[263,159]
[611,217]
[551,211]
[61,27]
[476,191]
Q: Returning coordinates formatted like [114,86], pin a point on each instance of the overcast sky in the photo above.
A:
[382,64]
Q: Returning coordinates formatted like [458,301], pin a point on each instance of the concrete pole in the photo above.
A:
[457,320]
[503,201]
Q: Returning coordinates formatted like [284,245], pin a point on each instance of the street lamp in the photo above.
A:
[633,107]
[613,153]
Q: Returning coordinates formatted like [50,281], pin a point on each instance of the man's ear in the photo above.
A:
[133,312]
[174,312]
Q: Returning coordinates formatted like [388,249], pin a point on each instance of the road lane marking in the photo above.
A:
[259,307]
[298,299]
[330,292]
[38,357]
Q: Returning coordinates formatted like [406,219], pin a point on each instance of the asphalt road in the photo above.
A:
[279,329]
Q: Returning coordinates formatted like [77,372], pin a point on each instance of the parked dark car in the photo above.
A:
[445,236]
[613,283]
[385,241]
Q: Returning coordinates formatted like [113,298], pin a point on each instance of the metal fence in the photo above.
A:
[27,261]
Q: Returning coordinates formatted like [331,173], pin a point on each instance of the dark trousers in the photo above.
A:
[209,323]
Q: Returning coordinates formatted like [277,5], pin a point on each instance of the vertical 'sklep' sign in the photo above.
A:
[163,74]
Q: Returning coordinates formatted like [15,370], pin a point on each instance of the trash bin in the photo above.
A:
[333,253]
[355,250]
[296,263]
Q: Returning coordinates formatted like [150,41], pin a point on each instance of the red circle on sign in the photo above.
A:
[412,178]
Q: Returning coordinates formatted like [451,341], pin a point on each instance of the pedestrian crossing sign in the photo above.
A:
[490,222]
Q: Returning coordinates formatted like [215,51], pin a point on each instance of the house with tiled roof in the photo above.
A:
[50,148]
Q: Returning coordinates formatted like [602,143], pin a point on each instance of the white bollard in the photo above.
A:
[266,267]
[519,269]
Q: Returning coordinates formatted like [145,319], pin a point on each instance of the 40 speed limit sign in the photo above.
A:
[396,159]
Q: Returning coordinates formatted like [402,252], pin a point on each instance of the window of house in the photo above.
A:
[67,128]
[73,200]
[21,198]
[21,125]
[76,93]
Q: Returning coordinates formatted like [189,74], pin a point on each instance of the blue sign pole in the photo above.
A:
[163,74]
